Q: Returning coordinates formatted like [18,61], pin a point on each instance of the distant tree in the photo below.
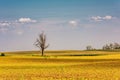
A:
[116,46]
[89,47]
[111,46]
[2,54]
[106,47]
[41,42]
[103,48]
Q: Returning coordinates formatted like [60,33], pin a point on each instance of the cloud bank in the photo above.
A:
[19,21]
[100,18]
[26,20]
[7,25]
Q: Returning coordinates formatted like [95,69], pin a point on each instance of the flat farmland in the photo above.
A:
[60,65]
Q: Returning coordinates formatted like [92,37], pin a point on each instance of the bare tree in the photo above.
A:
[116,46]
[111,46]
[89,47]
[41,42]
[106,47]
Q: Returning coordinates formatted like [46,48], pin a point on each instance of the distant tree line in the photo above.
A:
[110,46]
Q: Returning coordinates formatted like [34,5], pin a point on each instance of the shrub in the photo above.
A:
[2,54]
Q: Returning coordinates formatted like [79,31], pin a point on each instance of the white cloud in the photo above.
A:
[96,18]
[107,17]
[17,22]
[5,23]
[26,20]
[99,18]
[73,23]
[13,24]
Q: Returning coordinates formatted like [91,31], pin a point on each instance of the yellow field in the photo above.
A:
[60,65]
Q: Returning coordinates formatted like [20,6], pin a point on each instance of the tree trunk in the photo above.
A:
[42,52]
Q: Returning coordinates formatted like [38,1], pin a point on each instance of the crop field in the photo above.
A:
[60,65]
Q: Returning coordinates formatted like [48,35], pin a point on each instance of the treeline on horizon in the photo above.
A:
[110,46]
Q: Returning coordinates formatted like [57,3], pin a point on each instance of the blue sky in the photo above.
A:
[69,24]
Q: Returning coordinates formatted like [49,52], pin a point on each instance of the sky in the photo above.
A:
[68,24]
